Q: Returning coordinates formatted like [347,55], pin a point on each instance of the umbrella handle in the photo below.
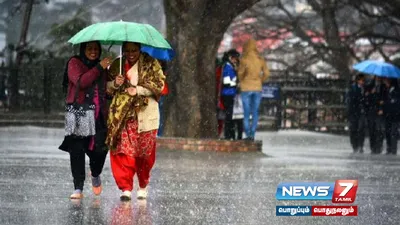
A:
[120,61]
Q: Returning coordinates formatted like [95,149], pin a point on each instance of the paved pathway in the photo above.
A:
[194,187]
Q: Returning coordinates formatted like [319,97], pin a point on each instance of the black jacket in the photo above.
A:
[373,100]
[391,108]
[355,102]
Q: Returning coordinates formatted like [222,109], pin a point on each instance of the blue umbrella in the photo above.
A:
[158,53]
[378,68]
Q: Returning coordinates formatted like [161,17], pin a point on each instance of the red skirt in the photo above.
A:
[136,144]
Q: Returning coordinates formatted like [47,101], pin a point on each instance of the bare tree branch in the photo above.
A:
[330,31]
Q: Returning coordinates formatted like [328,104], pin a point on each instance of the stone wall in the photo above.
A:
[208,145]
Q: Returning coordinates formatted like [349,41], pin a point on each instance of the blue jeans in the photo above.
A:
[160,107]
[251,102]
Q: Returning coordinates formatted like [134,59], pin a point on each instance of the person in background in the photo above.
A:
[356,114]
[3,90]
[229,90]
[237,117]
[374,99]
[164,93]
[253,71]
[220,106]
[392,114]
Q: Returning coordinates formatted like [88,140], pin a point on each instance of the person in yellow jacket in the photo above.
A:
[253,71]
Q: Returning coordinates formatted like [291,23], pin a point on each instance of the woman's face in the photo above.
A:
[131,52]
[386,82]
[92,51]
[378,80]
[361,81]
[234,60]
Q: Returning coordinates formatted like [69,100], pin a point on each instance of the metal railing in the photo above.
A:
[303,102]
[39,87]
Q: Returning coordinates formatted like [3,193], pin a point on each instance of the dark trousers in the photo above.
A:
[232,127]
[229,127]
[238,124]
[391,130]
[357,133]
[160,109]
[77,153]
[376,131]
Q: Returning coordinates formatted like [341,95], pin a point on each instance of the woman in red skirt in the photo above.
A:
[133,118]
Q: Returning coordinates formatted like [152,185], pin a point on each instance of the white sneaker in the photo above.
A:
[142,193]
[126,196]
[77,194]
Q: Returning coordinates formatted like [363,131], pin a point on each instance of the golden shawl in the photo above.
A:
[123,106]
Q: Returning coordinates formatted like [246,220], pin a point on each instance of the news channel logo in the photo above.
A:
[338,192]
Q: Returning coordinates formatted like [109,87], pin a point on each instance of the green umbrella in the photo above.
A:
[117,32]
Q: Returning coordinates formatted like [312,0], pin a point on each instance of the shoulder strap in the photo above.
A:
[90,91]
[77,88]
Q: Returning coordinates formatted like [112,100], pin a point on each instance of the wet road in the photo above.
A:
[194,187]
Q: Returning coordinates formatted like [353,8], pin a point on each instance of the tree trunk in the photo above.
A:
[340,57]
[14,83]
[195,29]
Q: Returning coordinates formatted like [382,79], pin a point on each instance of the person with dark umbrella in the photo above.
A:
[388,108]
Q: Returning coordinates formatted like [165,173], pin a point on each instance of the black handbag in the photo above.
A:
[99,141]
[101,134]
[80,120]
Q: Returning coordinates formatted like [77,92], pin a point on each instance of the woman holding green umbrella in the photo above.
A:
[133,118]
[86,84]
[134,114]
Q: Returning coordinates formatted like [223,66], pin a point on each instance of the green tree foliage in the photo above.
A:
[61,33]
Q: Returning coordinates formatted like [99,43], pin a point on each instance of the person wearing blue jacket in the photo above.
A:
[391,111]
[229,90]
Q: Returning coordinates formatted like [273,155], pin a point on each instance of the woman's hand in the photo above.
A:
[119,80]
[132,91]
[105,62]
